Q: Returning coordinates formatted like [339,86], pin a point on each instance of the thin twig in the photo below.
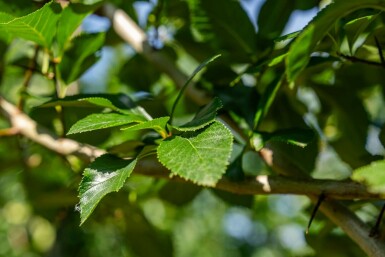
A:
[359,60]
[27,77]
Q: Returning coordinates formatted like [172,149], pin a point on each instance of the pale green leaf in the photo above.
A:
[201,157]
[39,26]
[204,117]
[372,175]
[103,120]
[105,175]
[303,46]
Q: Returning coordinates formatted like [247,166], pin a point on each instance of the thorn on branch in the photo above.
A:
[321,198]
[380,53]
[375,231]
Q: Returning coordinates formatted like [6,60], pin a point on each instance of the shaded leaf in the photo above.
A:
[273,17]
[70,20]
[373,175]
[103,120]
[195,72]
[266,100]
[201,156]
[216,24]
[105,175]
[204,116]
[39,26]
[296,136]
[234,199]
[178,193]
[81,56]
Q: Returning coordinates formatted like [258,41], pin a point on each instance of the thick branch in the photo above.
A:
[25,126]
[335,211]
[28,128]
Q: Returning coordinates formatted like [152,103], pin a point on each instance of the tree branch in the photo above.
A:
[334,210]
[28,128]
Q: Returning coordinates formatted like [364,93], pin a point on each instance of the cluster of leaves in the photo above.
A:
[279,90]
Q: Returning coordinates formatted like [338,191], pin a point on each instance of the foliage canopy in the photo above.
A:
[214,104]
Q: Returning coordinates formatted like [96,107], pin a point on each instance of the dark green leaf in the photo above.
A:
[217,24]
[105,175]
[117,102]
[298,137]
[273,17]
[70,20]
[179,193]
[204,117]
[201,156]
[81,56]
[196,71]
[266,100]
[103,120]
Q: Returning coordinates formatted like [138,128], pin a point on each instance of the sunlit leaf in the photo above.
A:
[201,156]
[302,47]
[39,26]
[105,175]
[372,175]
[103,120]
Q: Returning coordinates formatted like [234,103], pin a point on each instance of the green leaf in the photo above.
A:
[301,49]
[70,20]
[226,26]
[39,26]
[296,136]
[273,17]
[117,102]
[358,30]
[204,117]
[200,156]
[158,124]
[103,120]
[372,175]
[266,100]
[81,56]
[197,69]
[105,175]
